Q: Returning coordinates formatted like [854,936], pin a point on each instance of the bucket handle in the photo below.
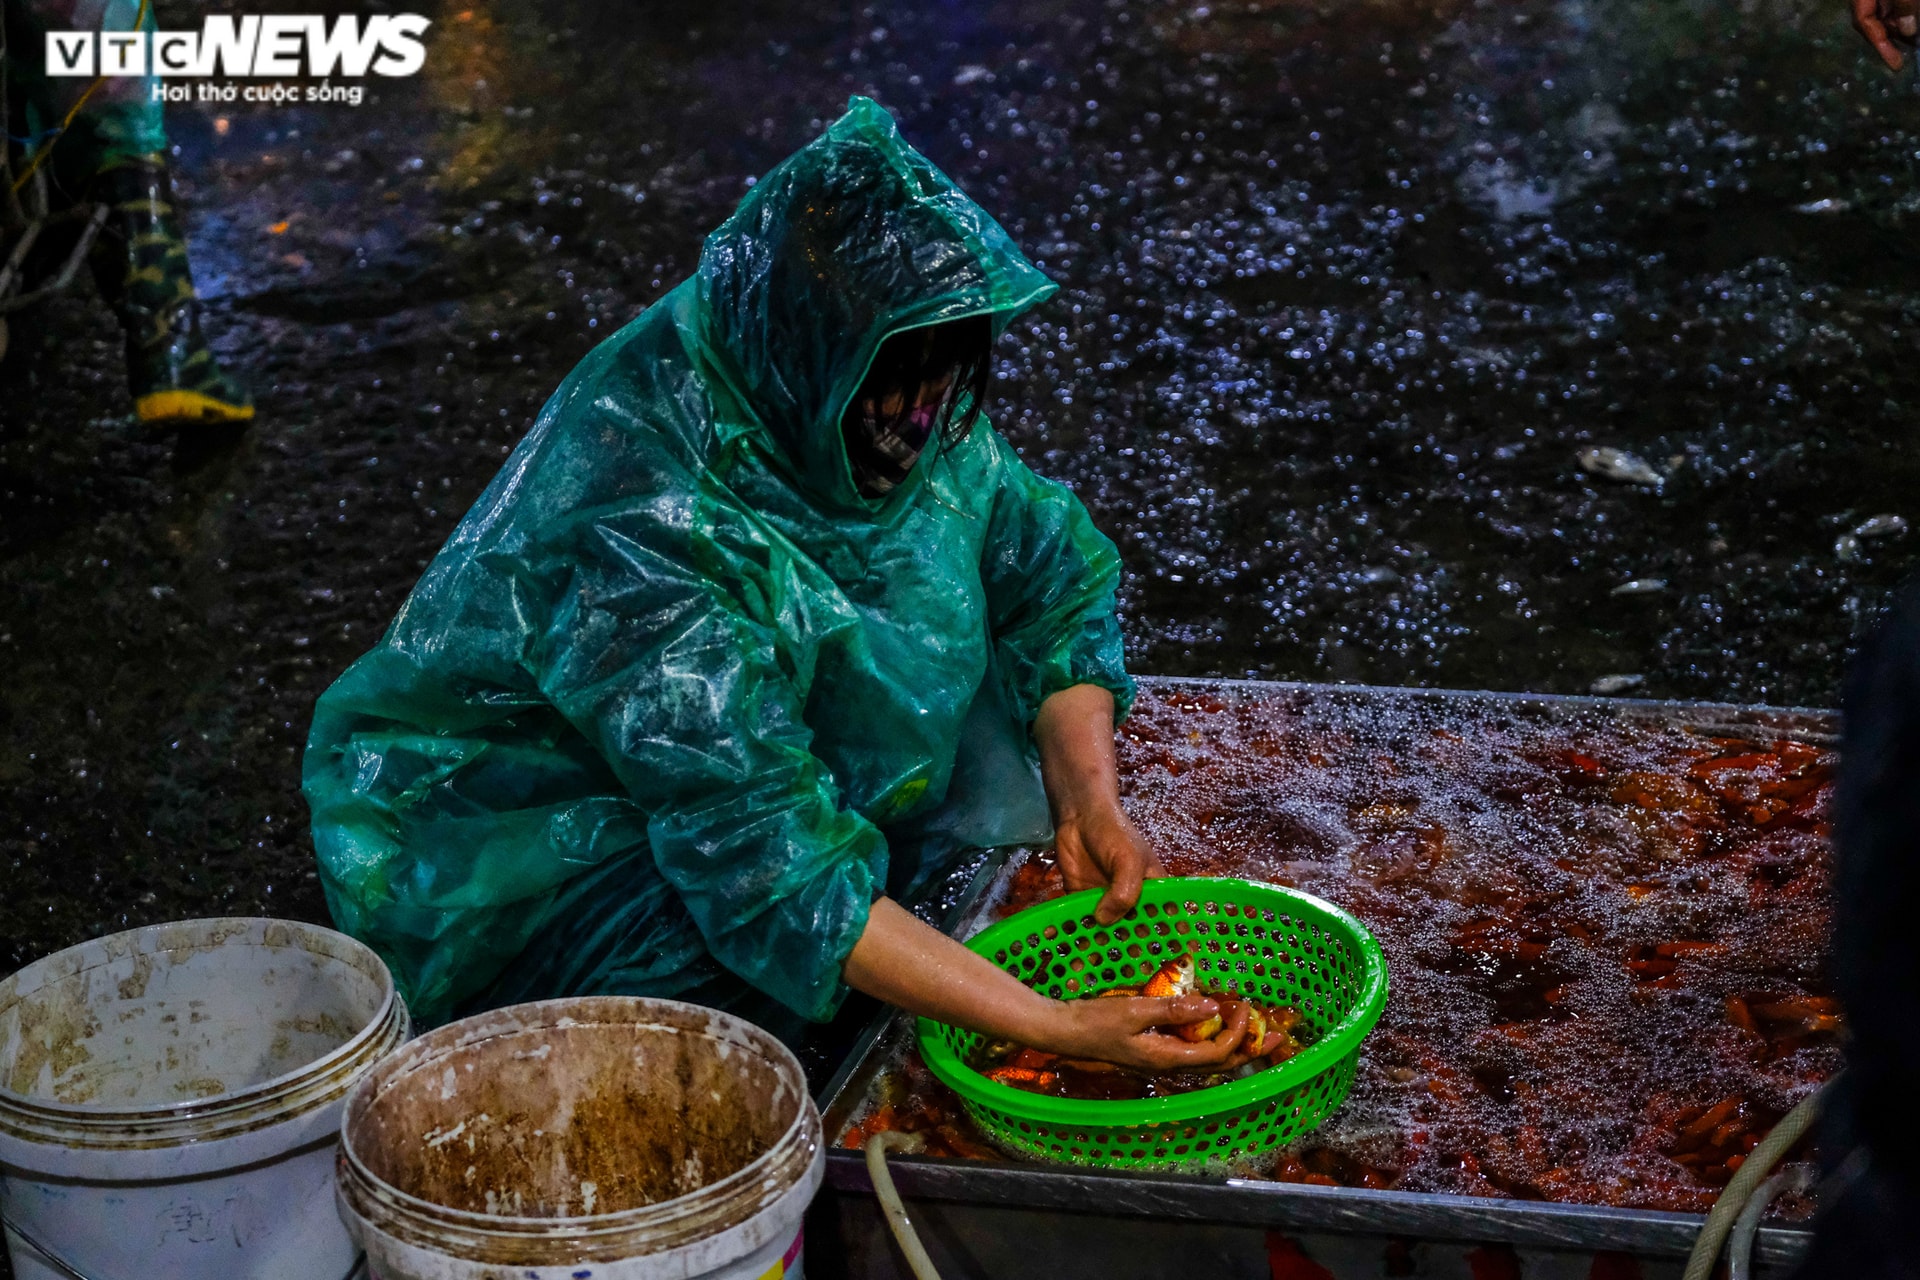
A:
[357,1272]
[27,1237]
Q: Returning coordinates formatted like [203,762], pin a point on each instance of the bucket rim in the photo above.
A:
[213,931]
[799,1140]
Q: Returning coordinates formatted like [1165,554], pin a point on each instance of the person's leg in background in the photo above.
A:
[105,141]
[1871,1139]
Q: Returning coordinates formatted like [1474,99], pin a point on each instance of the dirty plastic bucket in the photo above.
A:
[613,1137]
[170,1100]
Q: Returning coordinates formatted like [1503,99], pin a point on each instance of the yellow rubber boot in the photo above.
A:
[140,264]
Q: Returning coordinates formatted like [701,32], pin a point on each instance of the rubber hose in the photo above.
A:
[1798,1179]
[1753,1170]
[909,1239]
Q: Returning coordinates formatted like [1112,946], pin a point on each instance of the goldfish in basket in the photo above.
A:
[1269,1039]
[1176,978]
[1269,1030]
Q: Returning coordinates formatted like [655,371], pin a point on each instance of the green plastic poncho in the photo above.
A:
[674,693]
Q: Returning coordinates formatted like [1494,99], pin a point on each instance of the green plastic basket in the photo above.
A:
[1277,946]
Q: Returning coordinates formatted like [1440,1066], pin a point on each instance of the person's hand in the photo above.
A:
[907,962]
[1882,22]
[1123,1030]
[1096,841]
[1248,1050]
[1102,848]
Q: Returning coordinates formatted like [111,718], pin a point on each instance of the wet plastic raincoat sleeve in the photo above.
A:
[1050,579]
[679,680]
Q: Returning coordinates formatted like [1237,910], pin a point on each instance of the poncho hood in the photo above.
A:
[854,237]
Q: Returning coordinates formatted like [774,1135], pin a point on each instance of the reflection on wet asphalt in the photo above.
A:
[1347,290]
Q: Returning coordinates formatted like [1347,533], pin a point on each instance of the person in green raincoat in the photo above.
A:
[758,625]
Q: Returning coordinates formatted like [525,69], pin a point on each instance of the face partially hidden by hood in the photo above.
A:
[852,238]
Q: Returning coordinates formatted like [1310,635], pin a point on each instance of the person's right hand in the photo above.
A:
[1884,21]
[1123,1031]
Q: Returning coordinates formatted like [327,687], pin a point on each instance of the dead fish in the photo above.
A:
[1825,205]
[1607,686]
[1618,464]
[1881,526]
[1639,587]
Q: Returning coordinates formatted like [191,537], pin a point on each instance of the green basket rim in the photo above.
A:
[1323,1055]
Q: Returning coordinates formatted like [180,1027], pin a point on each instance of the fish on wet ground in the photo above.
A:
[1617,464]
[1850,546]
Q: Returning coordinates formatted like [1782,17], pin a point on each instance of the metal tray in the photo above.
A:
[1066,1199]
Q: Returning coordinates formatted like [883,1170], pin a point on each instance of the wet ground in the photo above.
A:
[1345,290]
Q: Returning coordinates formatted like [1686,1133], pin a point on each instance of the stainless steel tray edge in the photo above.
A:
[1643,1233]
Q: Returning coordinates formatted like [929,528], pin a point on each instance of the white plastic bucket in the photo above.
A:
[612,1137]
[170,1100]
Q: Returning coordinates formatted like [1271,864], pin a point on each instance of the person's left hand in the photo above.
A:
[1102,847]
